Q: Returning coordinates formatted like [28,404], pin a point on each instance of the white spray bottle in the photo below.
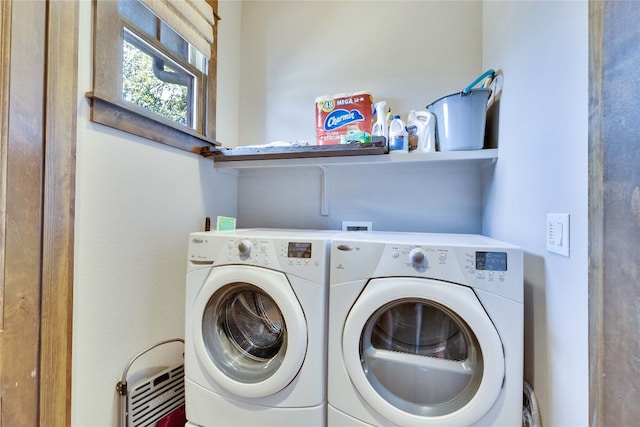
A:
[380,126]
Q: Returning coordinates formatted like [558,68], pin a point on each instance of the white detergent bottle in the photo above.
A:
[425,123]
[398,137]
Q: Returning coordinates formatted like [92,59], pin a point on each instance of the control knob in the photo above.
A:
[419,260]
[244,249]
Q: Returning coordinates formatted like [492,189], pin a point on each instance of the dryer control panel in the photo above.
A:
[494,269]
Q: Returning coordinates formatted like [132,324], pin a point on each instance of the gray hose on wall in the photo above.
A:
[530,412]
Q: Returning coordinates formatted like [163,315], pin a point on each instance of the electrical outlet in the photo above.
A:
[558,233]
[357,226]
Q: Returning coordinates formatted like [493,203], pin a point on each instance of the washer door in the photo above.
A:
[423,352]
[249,330]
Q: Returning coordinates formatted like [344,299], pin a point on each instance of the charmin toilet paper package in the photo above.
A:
[344,118]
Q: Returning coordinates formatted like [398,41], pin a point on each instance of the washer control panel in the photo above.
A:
[303,256]
[267,252]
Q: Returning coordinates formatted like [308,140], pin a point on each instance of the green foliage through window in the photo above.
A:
[142,86]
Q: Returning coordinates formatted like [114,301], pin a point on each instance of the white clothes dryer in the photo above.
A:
[425,330]
[255,328]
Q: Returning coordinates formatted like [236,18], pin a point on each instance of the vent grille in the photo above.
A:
[153,398]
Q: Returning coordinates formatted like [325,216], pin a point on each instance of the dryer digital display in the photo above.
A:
[299,250]
[494,261]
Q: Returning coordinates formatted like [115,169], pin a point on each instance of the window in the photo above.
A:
[154,70]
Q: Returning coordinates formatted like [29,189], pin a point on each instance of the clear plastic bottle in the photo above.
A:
[398,137]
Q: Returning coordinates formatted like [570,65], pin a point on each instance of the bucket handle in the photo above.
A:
[489,73]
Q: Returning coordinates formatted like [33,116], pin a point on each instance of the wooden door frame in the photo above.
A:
[22,117]
[44,131]
[61,95]
[614,194]
[596,214]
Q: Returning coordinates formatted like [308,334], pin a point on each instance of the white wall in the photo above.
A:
[411,196]
[542,47]
[136,202]
[407,53]
[228,96]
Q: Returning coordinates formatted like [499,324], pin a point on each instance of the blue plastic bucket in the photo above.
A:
[461,119]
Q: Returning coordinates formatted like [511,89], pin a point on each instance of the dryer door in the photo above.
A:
[249,331]
[423,352]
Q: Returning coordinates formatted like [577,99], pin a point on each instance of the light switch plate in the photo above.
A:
[558,233]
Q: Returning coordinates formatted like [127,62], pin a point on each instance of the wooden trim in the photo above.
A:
[304,152]
[22,267]
[106,62]
[108,108]
[596,214]
[614,200]
[114,115]
[5,49]
[58,213]
[212,78]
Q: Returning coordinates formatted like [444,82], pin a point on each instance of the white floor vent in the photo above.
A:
[153,398]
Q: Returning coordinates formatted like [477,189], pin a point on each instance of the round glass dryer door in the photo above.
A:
[249,330]
[423,352]
[438,364]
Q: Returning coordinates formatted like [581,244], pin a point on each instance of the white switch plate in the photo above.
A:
[558,233]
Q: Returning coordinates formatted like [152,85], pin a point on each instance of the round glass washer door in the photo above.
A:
[423,352]
[249,330]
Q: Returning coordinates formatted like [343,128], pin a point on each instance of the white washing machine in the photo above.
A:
[425,330]
[255,338]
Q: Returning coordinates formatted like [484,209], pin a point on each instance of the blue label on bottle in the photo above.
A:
[396,143]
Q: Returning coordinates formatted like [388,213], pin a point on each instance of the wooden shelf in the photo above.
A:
[480,157]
